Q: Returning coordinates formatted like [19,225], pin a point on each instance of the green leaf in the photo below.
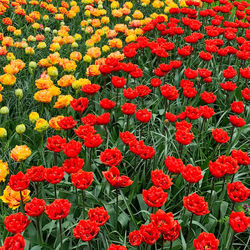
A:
[199,224]
[183,242]
[223,208]
[123,218]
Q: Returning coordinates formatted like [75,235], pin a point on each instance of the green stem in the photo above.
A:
[181,149]
[232,240]
[233,206]
[105,129]
[127,127]
[116,206]
[166,106]
[162,246]
[227,96]
[190,225]
[212,189]
[76,196]
[90,158]
[202,125]
[232,178]
[232,132]
[214,151]
[90,245]
[171,245]
[55,158]
[42,149]
[55,191]
[224,181]
[19,108]
[37,189]
[39,230]
[21,139]
[67,135]
[188,189]
[117,92]
[83,206]
[2,208]
[21,202]
[141,131]
[129,210]
[60,231]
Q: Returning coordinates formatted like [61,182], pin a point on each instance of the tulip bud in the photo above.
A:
[87,13]
[33,117]
[19,93]
[52,71]
[17,32]
[20,129]
[87,59]
[105,48]
[32,65]
[3,132]
[74,45]
[24,45]
[45,17]
[127,18]
[41,125]
[4,110]
[78,37]
[47,29]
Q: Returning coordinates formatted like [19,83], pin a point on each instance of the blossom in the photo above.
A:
[195,204]
[41,125]
[111,157]
[56,143]
[191,173]
[14,242]
[237,192]
[143,115]
[154,197]
[13,198]
[16,223]
[82,179]
[206,240]
[35,207]
[135,238]
[238,221]
[20,153]
[115,179]
[86,230]
[150,233]
[160,179]
[220,135]
[72,148]
[99,215]
[19,182]
[4,170]
[58,209]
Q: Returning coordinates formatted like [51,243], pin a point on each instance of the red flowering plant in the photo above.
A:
[16,223]
[58,210]
[14,242]
[141,119]
[207,240]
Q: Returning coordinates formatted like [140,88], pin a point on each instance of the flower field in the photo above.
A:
[124,124]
